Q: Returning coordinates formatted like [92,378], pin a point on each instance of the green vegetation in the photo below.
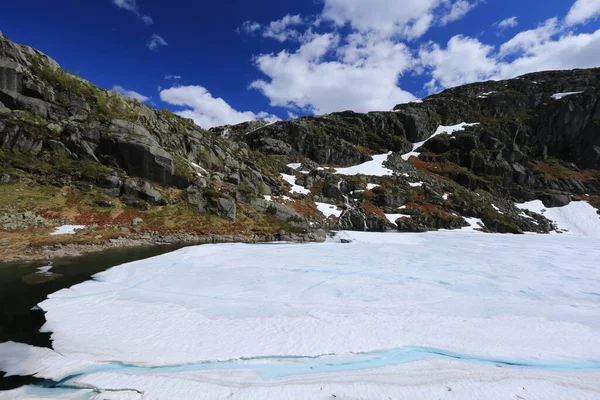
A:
[553,169]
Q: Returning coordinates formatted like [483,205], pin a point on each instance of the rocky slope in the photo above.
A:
[73,153]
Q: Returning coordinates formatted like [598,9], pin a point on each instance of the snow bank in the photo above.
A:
[67,229]
[576,218]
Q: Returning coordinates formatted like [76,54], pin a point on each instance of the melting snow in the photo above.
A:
[372,168]
[67,229]
[294,165]
[497,209]
[559,96]
[576,218]
[441,129]
[416,184]
[371,186]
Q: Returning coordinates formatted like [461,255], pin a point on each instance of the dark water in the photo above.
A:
[22,287]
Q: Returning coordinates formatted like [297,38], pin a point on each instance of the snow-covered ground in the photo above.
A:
[418,316]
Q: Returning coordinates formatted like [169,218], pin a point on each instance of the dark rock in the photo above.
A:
[555,200]
[136,203]
[104,204]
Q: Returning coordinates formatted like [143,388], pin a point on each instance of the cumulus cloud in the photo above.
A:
[132,6]
[206,110]
[325,75]
[583,11]
[130,93]
[155,42]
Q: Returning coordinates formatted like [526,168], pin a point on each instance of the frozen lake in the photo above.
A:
[437,315]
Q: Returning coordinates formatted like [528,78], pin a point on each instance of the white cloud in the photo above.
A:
[566,52]
[249,27]
[206,110]
[131,6]
[325,75]
[409,18]
[457,11]
[280,29]
[175,77]
[130,93]
[583,11]
[155,42]
[466,60]
[526,40]
[463,60]
[507,23]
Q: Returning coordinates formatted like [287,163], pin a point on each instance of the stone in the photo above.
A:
[136,221]
[226,208]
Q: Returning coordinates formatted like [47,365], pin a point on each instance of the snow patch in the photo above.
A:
[441,129]
[294,166]
[497,209]
[415,184]
[559,96]
[393,217]
[328,210]
[371,186]
[372,168]
[292,181]
[67,229]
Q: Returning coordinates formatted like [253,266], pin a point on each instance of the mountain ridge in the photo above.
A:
[75,153]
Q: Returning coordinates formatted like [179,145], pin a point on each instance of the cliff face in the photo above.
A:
[101,158]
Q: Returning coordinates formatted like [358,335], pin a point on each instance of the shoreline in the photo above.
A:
[67,247]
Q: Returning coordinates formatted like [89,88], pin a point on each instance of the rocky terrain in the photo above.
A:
[73,153]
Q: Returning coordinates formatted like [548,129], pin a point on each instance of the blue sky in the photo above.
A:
[241,60]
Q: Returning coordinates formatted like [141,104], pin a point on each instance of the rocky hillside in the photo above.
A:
[73,153]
